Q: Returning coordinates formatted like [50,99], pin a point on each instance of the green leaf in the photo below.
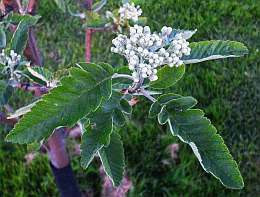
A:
[79,94]
[181,104]
[118,118]
[166,98]
[2,38]
[113,160]
[20,36]
[98,132]
[125,107]
[163,116]
[167,77]
[61,4]
[156,107]
[96,136]
[97,73]
[193,128]
[214,49]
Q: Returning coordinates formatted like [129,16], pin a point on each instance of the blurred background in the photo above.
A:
[157,163]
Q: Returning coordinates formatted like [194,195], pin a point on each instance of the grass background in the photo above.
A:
[228,91]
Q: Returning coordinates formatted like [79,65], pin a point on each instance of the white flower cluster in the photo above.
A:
[10,61]
[130,12]
[146,51]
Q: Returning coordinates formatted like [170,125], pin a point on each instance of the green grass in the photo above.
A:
[227,90]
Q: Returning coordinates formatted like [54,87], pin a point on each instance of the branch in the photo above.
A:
[36,89]
[116,75]
[147,95]
[104,29]
[31,7]
[4,120]
[88,4]
[32,52]
[88,43]
[19,6]
[88,35]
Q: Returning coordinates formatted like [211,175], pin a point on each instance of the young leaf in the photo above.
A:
[96,136]
[214,49]
[167,77]
[79,94]
[187,34]
[113,160]
[20,36]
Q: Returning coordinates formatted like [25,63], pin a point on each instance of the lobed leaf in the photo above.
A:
[113,159]
[96,136]
[193,128]
[79,94]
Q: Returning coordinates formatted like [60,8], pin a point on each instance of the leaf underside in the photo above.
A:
[214,49]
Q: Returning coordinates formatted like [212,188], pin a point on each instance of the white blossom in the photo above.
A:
[146,51]
[10,62]
[130,12]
